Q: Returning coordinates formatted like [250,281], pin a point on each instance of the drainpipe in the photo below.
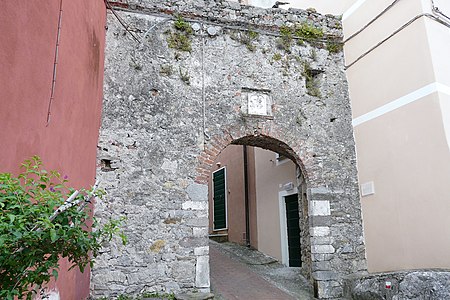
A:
[247,207]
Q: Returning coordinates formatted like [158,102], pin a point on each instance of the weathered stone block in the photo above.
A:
[329,289]
[191,242]
[194,205]
[321,240]
[325,275]
[200,231]
[183,270]
[197,222]
[321,265]
[321,249]
[202,271]
[319,231]
[197,192]
[171,166]
[199,251]
[402,285]
[319,208]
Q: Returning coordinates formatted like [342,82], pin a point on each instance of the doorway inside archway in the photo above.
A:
[255,200]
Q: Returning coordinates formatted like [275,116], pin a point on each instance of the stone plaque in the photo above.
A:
[258,104]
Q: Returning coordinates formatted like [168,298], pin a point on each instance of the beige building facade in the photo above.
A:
[399,78]
[399,74]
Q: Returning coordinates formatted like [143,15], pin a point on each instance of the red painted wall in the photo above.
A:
[27,52]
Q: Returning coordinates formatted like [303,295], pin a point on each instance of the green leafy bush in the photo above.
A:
[42,220]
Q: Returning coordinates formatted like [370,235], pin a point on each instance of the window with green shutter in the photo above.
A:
[219,199]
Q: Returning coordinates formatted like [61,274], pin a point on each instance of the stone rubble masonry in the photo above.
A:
[423,284]
[160,135]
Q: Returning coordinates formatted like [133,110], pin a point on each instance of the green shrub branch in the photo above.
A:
[42,219]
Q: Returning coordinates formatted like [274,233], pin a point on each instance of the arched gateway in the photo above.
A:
[218,74]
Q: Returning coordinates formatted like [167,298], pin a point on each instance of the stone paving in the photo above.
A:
[241,273]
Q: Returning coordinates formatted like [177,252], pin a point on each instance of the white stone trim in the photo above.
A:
[402,101]
[202,272]
[319,208]
[283,225]
[322,249]
[319,231]
[352,9]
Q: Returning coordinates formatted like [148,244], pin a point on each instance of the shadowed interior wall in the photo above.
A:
[68,141]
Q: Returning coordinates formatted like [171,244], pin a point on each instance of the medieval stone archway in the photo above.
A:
[263,141]
[169,112]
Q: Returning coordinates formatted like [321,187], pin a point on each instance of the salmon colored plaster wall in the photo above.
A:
[232,159]
[27,53]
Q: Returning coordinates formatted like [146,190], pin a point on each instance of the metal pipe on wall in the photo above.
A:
[246,198]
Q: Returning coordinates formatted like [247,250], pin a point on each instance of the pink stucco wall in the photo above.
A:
[27,53]
[232,159]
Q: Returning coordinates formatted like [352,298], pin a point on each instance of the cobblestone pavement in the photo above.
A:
[241,273]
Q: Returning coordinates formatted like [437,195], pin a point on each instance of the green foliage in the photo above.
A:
[246,38]
[334,47]
[302,31]
[252,34]
[284,43]
[306,31]
[38,226]
[180,39]
[338,25]
[183,26]
[276,57]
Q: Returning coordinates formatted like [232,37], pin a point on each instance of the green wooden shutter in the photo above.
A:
[293,228]
[219,189]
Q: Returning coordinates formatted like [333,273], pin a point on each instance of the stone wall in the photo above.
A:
[419,284]
[168,113]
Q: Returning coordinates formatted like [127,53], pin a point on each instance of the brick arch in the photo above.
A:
[268,137]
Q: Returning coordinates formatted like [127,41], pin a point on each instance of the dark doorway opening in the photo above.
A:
[293,230]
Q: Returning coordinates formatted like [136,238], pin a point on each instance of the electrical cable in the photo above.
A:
[154,25]
[372,21]
[438,11]
[55,64]
[121,21]
[206,136]
[433,17]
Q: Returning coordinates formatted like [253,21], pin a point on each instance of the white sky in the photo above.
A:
[336,7]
